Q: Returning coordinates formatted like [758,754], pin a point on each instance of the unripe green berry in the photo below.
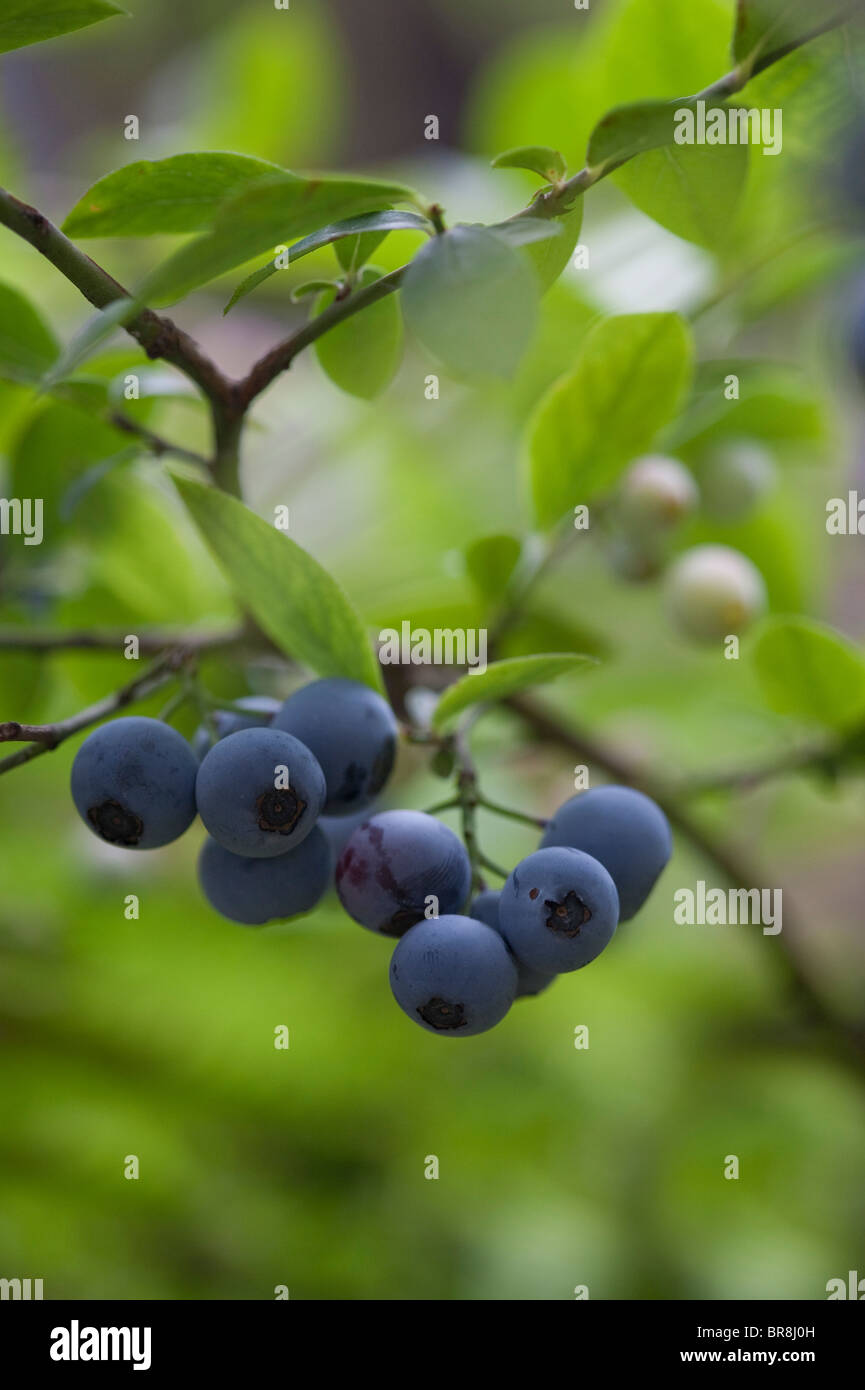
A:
[656,492]
[734,478]
[714,592]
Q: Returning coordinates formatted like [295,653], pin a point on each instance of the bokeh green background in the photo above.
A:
[558,1167]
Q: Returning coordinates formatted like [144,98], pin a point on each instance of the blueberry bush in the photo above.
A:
[227,614]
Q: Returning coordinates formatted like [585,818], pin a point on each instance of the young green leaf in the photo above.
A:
[527,230]
[631,130]
[540,159]
[313,287]
[27,345]
[58,443]
[371,228]
[471,300]
[155,197]
[692,190]
[30,21]
[810,671]
[261,216]
[630,376]
[362,355]
[551,257]
[777,404]
[293,599]
[766,25]
[504,678]
[490,563]
[85,342]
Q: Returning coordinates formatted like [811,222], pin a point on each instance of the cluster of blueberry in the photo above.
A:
[599,859]
[282,790]
[271,782]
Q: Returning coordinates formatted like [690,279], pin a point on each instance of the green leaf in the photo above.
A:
[504,678]
[362,355]
[810,671]
[85,342]
[57,444]
[777,404]
[542,160]
[630,376]
[527,231]
[27,345]
[692,190]
[551,257]
[294,600]
[645,56]
[353,231]
[630,130]
[490,563]
[766,25]
[155,197]
[471,301]
[313,287]
[31,21]
[258,218]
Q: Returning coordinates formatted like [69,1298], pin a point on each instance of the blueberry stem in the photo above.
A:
[538,821]
[450,805]
[493,867]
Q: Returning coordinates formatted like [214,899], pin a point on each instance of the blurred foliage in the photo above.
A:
[155,1037]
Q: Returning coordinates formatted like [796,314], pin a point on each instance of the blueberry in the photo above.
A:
[625,831]
[133,783]
[255,891]
[558,909]
[393,863]
[485,908]
[453,976]
[353,733]
[339,830]
[714,592]
[260,710]
[243,798]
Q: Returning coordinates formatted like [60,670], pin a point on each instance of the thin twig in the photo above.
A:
[280,358]
[49,736]
[154,442]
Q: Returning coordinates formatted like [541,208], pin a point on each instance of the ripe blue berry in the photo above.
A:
[394,863]
[339,830]
[260,710]
[558,910]
[133,783]
[259,792]
[255,891]
[485,908]
[353,733]
[453,976]
[625,831]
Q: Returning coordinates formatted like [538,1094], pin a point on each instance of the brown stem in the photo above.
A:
[280,358]
[158,446]
[48,736]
